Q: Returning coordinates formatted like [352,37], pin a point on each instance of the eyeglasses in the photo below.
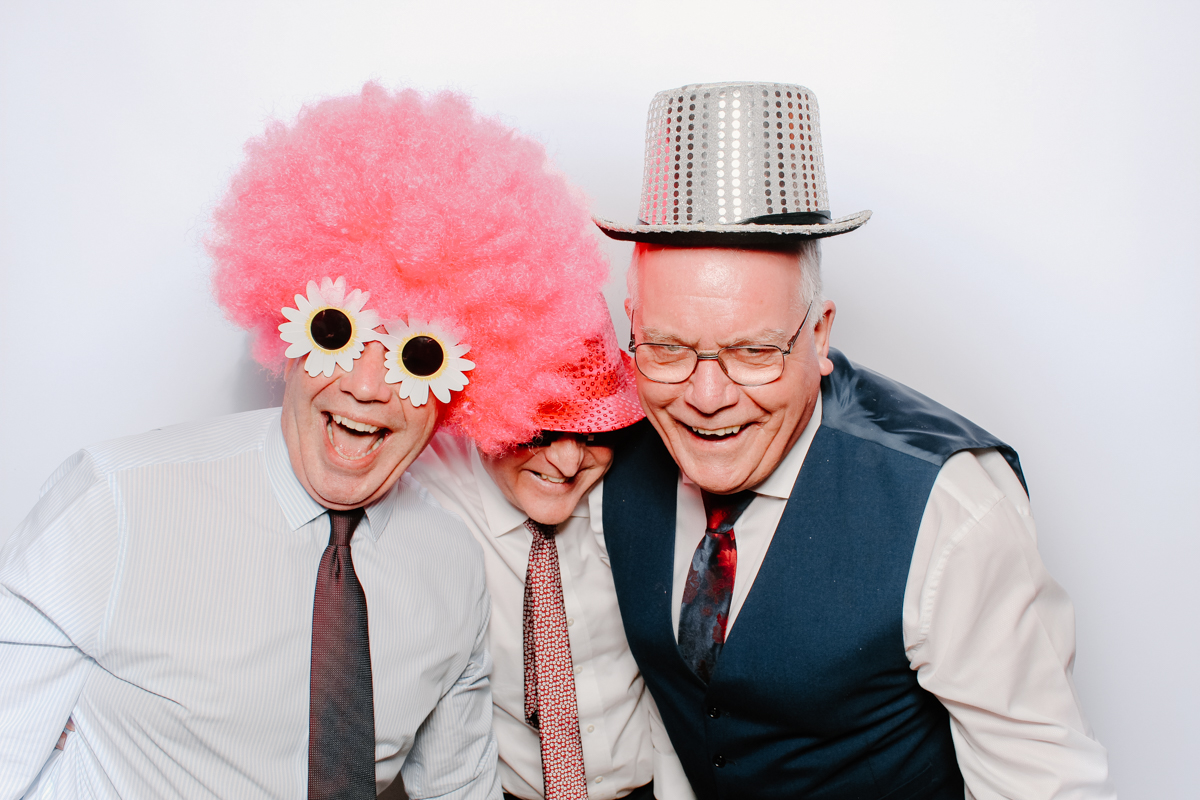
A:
[745,365]
[599,439]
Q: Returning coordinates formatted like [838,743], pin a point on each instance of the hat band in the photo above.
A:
[791,218]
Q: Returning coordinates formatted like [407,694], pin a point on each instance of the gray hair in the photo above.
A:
[808,254]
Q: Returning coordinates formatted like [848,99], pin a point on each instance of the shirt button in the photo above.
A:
[599,779]
[718,761]
[570,621]
[578,669]
[714,712]
[591,728]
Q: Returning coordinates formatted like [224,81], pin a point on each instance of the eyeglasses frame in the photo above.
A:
[715,355]
[546,438]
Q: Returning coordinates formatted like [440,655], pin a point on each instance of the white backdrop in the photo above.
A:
[1032,261]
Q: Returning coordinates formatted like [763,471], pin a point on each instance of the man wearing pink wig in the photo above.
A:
[265,605]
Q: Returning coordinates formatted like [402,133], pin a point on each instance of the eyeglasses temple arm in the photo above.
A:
[791,343]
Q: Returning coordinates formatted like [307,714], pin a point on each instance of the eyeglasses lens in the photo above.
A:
[601,439]
[748,366]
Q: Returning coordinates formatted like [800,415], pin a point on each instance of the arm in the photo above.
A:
[54,586]
[41,680]
[454,752]
[993,637]
[670,782]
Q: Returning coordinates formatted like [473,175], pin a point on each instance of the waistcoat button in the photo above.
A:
[714,712]
[718,761]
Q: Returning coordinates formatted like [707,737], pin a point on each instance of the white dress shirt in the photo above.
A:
[986,628]
[160,593]
[624,744]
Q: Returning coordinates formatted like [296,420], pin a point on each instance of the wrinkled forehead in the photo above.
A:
[705,281]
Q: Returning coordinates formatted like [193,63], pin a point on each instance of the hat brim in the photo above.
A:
[735,235]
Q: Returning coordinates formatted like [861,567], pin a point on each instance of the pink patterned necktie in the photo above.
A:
[704,613]
[550,704]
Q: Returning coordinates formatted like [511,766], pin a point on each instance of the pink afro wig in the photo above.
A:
[438,213]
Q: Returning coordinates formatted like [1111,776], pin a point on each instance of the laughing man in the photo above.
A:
[265,605]
[831,582]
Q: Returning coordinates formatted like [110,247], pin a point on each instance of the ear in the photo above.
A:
[821,331]
[629,308]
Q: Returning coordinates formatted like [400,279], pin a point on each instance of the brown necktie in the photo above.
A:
[341,721]
[550,703]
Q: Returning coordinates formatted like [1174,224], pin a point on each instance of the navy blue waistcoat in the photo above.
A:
[813,695]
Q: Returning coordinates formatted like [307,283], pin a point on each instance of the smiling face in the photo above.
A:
[548,482]
[349,436]
[727,437]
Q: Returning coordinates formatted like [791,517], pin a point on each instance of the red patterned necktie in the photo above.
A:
[550,703]
[341,721]
[704,612]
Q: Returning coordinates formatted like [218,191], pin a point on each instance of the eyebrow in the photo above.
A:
[764,336]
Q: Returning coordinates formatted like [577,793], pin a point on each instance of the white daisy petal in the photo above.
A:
[293,332]
[449,377]
[416,392]
[368,320]
[356,300]
[315,298]
[333,291]
[345,360]
[330,294]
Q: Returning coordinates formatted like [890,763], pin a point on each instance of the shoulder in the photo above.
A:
[640,450]
[421,512]
[89,470]
[445,473]
[445,464]
[976,494]
[867,405]
[190,442]
[435,542]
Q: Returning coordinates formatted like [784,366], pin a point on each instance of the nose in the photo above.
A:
[566,455]
[709,389]
[365,382]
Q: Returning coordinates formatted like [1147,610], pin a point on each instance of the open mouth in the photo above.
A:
[716,434]
[551,479]
[353,440]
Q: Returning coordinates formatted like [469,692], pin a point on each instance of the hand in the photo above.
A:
[62,740]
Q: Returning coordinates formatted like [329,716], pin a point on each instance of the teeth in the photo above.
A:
[348,456]
[361,427]
[548,478]
[716,431]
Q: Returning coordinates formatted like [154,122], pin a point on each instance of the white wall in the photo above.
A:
[1032,260]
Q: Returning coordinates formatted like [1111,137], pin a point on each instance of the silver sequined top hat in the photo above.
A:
[733,164]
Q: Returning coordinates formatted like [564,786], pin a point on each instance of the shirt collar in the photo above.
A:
[298,506]
[502,516]
[780,482]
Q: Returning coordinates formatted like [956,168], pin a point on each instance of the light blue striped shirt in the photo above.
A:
[160,594]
